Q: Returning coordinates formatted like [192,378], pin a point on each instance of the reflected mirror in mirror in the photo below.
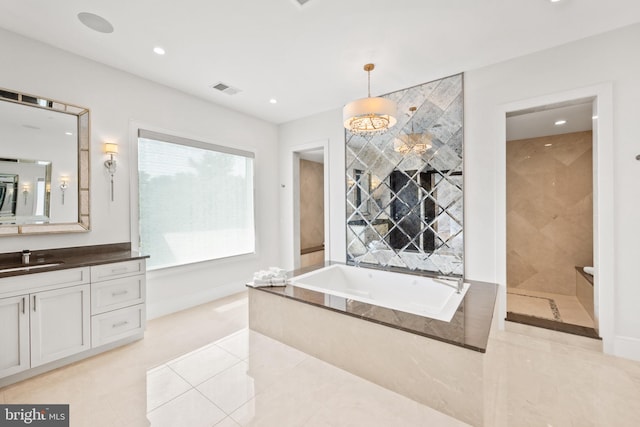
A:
[44,165]
[404,186]
[25,187]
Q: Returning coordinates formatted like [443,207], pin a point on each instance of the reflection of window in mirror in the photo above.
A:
[362,179]
[40,193]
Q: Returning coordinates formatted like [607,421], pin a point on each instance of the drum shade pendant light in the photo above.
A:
[369,114]
[413,142]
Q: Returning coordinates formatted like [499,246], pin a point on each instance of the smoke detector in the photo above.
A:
[225,88]
[302,2]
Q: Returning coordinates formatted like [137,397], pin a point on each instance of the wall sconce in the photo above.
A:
[64,184]
[111,149]
[25,191]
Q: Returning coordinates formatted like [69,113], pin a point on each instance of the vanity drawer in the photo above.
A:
[118,293]
[117,269]
[36,282]
[117,324]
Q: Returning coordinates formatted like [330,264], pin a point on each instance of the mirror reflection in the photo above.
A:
[44,164]
[25,187]
[404,186]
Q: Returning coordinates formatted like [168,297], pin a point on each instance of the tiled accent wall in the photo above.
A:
[311,204]
[549,211]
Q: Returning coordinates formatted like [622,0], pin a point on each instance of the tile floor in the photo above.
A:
[536,304]
[202,367]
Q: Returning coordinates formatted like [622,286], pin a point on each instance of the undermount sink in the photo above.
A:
[28,267]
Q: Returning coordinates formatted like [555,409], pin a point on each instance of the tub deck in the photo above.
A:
[469,327]
[406,353]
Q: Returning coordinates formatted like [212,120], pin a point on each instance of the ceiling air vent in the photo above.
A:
[225,88]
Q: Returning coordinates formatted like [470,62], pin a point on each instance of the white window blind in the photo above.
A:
[196,200]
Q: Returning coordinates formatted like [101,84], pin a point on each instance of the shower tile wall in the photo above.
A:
[311,204]
[549,211]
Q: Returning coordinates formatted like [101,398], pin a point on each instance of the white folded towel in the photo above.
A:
[588,270]
[273,277]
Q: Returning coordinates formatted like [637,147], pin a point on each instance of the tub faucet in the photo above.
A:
[26,254]
[459,282]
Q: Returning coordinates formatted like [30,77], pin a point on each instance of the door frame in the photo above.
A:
[603,210]
[294,153]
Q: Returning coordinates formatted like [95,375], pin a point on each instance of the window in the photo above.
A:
[196,200]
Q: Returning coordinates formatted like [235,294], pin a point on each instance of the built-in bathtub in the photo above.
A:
[399,350]
[435,298]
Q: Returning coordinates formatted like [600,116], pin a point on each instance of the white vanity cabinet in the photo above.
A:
[117,301]
[60,323]
[50,319]
[14,335]
[43,317]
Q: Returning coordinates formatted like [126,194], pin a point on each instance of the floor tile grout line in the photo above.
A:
[170,400]
[227,351]
[207,379]
[195,387]
[213,403]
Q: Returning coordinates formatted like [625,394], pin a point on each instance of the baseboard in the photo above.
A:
[627,347]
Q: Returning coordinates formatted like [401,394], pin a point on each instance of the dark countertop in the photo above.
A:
[82,256]
[469,327]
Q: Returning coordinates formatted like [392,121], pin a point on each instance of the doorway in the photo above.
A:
[310,205]
[549,216]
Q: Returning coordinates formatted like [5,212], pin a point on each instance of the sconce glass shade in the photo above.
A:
[369,115]
[110,148]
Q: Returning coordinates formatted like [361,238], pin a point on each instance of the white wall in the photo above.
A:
[116,98]
[300,135]
[606,58]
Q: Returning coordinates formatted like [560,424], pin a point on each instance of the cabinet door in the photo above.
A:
[14,335]
[60,323]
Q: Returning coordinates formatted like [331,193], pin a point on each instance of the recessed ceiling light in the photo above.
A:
[548,145]
[158,50]
[554,1]
[68,133]
[95,22]
[273,101]
[560,122]
[594,117]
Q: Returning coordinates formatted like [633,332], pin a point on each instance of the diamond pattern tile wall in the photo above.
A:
[549,211]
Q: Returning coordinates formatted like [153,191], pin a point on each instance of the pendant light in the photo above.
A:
[369,114]
[417,143]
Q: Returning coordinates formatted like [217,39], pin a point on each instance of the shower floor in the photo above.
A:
[548,310]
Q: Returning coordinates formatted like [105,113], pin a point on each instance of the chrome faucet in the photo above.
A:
[25,256]
[459,282]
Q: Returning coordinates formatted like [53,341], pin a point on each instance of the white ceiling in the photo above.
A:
[541,121]
[309,57]
[312,155]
